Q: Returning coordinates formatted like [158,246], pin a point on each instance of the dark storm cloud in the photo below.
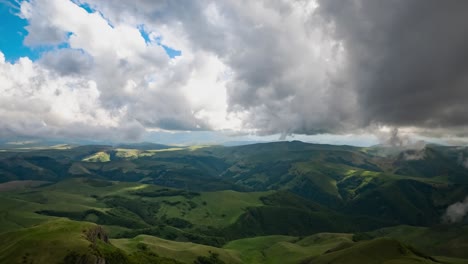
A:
[406,62]
[408,59]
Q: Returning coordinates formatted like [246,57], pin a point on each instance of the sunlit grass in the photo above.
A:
[98,157]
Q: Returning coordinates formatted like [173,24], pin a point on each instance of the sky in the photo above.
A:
[358,72]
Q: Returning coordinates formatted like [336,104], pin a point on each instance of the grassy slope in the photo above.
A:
[242,214]
[441,240]
[266,249]
[374,252]
[47,243]
[18,207]
[63,241]
[98,157]
[53,241]
[340,177]
[214,209]
[211,218]
[318,248]
[16,214]
[343,177]
[182,251]
[285,249]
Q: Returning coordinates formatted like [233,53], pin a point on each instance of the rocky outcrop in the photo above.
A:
[96,233]
[93,235]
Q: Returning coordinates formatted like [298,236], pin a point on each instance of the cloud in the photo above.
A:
[462,161]
[456,212]
[408,59]
[99,78]
[283,66]
[328,66]
[263,67]
[36,102]
[67,61]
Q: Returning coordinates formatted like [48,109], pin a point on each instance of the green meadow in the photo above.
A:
[285,202]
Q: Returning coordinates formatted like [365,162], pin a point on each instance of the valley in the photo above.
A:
[284,202]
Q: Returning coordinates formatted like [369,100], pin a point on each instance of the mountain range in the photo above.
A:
[280,202]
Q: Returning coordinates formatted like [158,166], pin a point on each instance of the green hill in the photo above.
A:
[259,203]
[185,252]
[68,242]
[213,218]
[374,252]
[286,249]
[442,240]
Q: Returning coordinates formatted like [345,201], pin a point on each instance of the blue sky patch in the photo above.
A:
[12,34]
[172,53]
[144,34]
[87,7]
